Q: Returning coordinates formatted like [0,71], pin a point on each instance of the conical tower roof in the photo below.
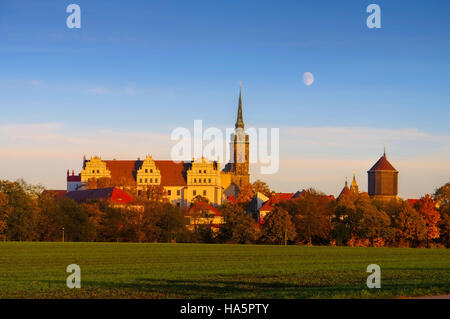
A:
[383,165]
[240,119]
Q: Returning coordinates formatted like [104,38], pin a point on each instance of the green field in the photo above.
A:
[112,270]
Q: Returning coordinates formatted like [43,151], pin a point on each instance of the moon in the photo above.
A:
[308,78]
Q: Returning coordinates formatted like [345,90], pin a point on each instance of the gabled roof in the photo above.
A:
[113,194]
[275,199]
[345,191]
[383,165]
[199,206]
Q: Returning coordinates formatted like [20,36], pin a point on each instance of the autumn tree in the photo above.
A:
[75,220]
[239,227]
[312,216]
[408,225]
[261,187]
[51,218]
[278,227]
[371,222]
[442,199]
[427,208]
[155,193]
[23,212]
[245,195]
[442,196]
[4,212]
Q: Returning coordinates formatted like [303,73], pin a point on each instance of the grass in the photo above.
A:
[112,270]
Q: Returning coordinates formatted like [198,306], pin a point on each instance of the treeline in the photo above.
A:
[29,214]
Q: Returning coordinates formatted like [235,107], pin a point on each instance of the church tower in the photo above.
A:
[236,172]
[354,187]
[383,180]
[240,144]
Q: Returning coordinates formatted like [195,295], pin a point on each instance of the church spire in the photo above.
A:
[240,120]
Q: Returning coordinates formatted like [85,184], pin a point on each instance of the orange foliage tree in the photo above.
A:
[426,207]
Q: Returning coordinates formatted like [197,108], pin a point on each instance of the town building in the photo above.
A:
[383,180]
[181,181]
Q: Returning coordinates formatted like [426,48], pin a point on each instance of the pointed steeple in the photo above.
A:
[354,187]
[240,120]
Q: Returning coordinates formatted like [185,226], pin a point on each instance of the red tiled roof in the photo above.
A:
[275,199]
[74,178]
[205,206]
[113,194]
[232,199]
[173,173]
[345,191]
[382,165]
[124,172]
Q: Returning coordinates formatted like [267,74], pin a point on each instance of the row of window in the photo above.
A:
[146,180]
[200,180]
[146,170]
[194,192]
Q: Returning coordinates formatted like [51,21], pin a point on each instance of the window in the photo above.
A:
[93,171]
[156,180]
[140,180]
[146,180]
[209,180]
[199,171]
[195,180]
[204,180]
[194,193]
[178,192]
[98,171]
[204,171]
[204,193]
[169,192]
[151,171]
[146,170]
[151,180]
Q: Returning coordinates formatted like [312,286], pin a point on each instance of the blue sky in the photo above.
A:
[150,66]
